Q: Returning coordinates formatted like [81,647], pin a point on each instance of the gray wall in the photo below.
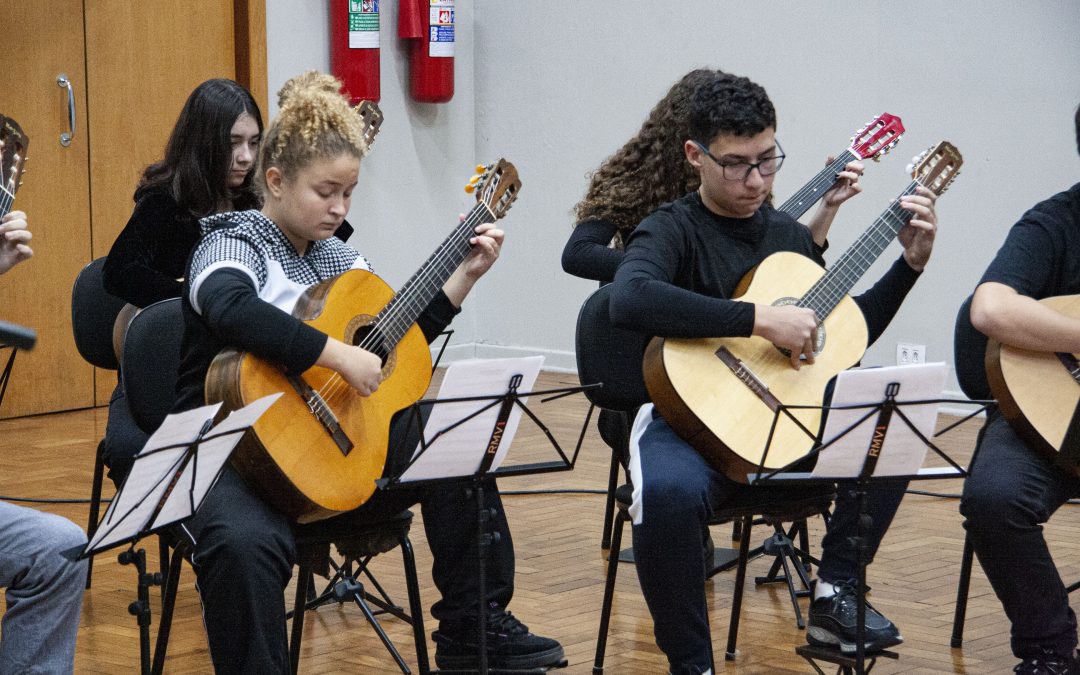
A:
[556,87]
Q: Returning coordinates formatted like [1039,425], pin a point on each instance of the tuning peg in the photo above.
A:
[470,188]
[480,168]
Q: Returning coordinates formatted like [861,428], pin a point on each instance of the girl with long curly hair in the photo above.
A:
[651,169]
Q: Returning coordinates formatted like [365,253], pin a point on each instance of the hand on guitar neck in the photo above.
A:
[917,236]
[14,240]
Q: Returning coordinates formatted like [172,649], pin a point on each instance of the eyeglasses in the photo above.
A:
[741,170]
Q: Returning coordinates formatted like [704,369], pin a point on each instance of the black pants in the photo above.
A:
[123,437]
[244,551]
[1010,493]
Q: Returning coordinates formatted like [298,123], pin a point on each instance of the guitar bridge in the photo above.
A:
[747,377]
[322,412]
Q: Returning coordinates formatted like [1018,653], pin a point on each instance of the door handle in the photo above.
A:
[65,138]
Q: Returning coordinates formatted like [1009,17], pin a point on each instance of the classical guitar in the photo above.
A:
[322,446]
[372,117]
[1039,392]
[871,142]
[721,394]
[13,145]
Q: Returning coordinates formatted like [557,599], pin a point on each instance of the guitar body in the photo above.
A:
[1037,394]
[289,457]
[713,409]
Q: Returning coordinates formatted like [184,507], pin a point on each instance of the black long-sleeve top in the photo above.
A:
[245,279]
[683,264]
[148,260]
[588,253]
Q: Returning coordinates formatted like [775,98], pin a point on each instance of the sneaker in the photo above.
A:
[1048,663]
[510,645]
[832,623]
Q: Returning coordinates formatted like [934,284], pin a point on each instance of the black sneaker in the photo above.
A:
[1048,663]
[510,645]
[832,623]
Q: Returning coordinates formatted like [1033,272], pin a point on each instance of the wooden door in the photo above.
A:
[138,85]
[139,62]
[40,41]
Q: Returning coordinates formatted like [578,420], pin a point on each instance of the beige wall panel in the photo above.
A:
[143,59]
[42,40]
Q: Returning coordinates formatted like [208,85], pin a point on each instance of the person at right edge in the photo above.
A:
[1011,490]
[682,265]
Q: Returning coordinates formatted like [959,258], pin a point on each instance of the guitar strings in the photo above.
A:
[831,288]
[825,177]
[425,279]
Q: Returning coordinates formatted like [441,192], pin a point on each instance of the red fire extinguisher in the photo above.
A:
[354,47]
[429,26]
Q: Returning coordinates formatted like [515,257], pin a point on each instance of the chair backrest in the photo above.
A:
[151,359]
[969,352]
[93,313]
[609,355]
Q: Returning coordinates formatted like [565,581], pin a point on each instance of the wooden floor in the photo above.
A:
[560,571]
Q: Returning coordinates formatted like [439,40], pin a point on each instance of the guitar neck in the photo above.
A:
[6,199]
[839,280]
[801,201]
[406,306]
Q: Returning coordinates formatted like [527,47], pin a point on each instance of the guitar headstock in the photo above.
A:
[496,186]
[878,137]
[937,167]
[13,144]
[373,118]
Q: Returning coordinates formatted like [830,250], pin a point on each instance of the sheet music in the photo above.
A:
[902,452]
[156,467]
[459,452]
[201,473]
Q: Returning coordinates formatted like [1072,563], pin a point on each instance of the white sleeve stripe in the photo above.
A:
[197,282]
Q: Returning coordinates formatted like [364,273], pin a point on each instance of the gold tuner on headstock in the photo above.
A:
[470,187]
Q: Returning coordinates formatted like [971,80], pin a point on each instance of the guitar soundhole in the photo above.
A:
[367,337]
[819,344]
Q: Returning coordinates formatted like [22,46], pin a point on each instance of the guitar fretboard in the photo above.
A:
[839,280]
[6,198]
[801,201]
[406,306]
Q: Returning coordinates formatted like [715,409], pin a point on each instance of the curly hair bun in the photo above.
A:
[312,79]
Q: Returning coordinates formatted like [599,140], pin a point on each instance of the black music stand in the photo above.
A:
[496,416]
[862,438]
[168,482]
[13,337]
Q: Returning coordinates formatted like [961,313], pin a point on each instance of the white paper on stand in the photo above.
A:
[902,452]
[156,466]
[459,452]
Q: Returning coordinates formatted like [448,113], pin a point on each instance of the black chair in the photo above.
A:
[612,357]
[93,314]
[151,358]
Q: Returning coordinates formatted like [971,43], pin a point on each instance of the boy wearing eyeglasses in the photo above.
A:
[682,266]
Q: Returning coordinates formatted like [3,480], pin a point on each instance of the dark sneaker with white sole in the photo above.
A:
[833,623]
[1049,663]
[510,645]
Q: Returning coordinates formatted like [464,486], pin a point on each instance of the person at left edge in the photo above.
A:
[44,589]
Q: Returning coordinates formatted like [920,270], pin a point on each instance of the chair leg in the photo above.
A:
[609,590]
[740,580]
[962,586]
[609,502]
[302,579]
[95,506]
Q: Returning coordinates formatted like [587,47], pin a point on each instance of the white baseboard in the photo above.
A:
[554,360]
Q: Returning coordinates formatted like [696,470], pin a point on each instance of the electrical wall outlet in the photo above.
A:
[909,353]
